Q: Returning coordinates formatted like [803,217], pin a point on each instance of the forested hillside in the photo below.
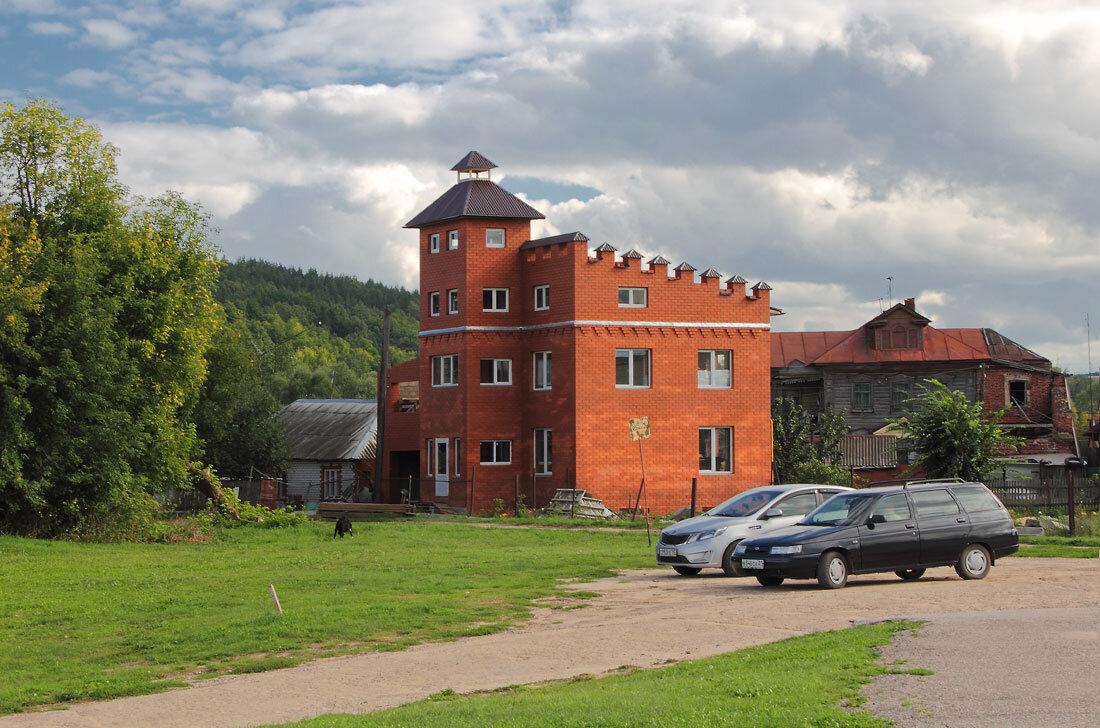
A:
[316,334]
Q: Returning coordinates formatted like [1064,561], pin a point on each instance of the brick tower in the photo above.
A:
[535,354]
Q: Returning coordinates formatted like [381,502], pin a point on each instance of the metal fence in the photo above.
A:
[1049,493]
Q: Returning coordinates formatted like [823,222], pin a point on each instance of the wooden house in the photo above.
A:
[871,373]
[332,446]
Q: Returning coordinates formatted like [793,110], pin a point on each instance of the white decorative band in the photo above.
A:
[632,324]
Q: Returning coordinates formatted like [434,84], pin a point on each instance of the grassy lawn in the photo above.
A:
[84,621]
[1071,547]
[803,681]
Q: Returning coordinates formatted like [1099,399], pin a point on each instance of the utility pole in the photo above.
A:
[381,398]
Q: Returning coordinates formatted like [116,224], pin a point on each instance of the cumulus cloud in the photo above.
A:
[108,33]
[821,146]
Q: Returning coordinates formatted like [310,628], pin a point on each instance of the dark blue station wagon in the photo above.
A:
[901,528]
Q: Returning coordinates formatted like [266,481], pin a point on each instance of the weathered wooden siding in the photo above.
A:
[303,479]
[838,389]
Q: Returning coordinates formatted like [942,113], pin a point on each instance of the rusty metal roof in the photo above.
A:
[331,429]
[852,347]
[475,198]
[473,162]
[574,237]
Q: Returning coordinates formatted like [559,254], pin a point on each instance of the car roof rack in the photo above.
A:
[905,483]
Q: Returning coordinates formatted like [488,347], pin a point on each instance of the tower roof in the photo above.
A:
[475,198]
[473,162]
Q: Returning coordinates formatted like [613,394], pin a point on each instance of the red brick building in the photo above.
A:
[536,353]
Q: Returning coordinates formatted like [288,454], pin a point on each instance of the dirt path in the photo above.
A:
[1021,667]
[641,619]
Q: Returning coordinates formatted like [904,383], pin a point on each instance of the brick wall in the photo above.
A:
[585,411]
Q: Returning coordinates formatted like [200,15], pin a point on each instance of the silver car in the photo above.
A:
[708,540]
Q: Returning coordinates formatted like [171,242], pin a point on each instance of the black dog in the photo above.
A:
[343,525]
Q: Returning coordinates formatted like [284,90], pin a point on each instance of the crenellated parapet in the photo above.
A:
[677,288]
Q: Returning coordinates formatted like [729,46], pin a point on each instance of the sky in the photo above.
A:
[851,153]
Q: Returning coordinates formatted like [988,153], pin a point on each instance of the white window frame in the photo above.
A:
[542,298]
[433,303]
[458,456]
[452,300]
[442,464]
[503,238]
[713,432]
[632,297]
[433,243]
[545,436]
[631,353]
[442,365]
[547,368]
[452,240]
[494,291]
[713,356]
[431,454]
[494,461]
[496,372]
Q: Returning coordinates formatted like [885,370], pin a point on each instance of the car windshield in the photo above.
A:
[745,504]
[839,510]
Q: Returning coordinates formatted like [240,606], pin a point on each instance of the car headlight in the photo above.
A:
[704,535]
[796,549]
[740,548]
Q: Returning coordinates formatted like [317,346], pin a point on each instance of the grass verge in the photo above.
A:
[813,680]
[80,621]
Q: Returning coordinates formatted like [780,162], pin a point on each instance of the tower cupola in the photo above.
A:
[473,165]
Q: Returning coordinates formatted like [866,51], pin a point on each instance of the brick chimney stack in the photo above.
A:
[911,304]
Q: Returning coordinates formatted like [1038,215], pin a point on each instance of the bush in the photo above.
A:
[253,515]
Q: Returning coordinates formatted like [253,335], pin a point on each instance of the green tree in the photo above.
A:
[236,415]
[804,451]
[101,362]
[954,438]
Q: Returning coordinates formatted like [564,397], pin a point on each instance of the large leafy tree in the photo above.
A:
[236,414]
[806,449]
[102,350]
[954,438]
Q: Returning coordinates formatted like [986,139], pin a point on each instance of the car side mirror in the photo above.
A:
[772,513]
[875,519]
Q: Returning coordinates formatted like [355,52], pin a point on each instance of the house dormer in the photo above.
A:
[898,328]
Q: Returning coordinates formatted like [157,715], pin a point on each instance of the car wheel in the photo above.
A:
[910,574]
[730,565]
[686,570]
[769,580]
[973,562]
[832,570]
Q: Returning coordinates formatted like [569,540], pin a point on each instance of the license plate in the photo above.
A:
[752,563]
[666,552]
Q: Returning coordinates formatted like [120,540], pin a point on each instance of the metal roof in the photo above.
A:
[711,273]
[632,253]
[659,260]
[684,267]
[761,286]
[606,248]
[737,279]
[574,237]
[473,162]
[331,429]
[475,198]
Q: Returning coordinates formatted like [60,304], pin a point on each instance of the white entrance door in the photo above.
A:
[442,458]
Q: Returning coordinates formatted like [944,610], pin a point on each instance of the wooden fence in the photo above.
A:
[1048,493]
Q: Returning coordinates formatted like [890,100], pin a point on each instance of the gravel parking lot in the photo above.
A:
[642,619]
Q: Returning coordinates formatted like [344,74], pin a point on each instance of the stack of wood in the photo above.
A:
[576,503]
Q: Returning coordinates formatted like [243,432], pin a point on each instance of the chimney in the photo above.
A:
[736,285]
[761,292]
[659,264]
[911,304]
[605,251]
